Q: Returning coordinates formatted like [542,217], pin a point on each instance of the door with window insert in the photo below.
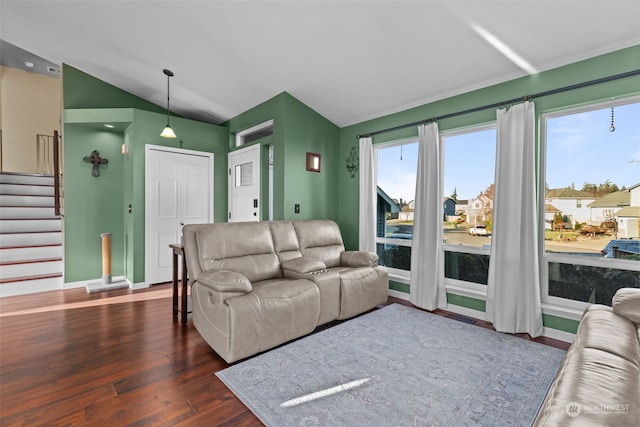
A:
[244,184]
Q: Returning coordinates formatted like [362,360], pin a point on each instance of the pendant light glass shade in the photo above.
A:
[167,132]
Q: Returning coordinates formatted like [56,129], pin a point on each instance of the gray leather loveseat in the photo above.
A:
[598,381]
[256,285]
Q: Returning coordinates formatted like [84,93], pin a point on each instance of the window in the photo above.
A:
[590,215]
[254,133]
[469,168]
[396,189]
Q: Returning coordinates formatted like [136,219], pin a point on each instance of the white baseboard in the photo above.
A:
[399,295]
[476,314]
[559,335]
[84,283]
[469,312]
[137,286]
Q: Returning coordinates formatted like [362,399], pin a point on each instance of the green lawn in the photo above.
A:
[555,235]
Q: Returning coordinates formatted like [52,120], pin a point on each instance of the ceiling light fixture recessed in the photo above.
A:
[108,125]
[29,64]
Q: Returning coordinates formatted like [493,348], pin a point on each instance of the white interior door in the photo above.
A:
[179,190]
[244,184]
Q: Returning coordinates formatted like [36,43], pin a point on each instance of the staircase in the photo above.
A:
[30,235]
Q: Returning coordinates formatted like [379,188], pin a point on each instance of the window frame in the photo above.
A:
[241,135]
[396,274]
[563,306]
[460,287]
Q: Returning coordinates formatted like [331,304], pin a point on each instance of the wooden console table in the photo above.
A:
[178,250]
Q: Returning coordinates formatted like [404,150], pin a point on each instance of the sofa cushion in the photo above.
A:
[626,303]
[320,239]
[303,265]
[285,240]
[245,247]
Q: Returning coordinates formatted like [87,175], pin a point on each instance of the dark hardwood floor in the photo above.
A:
[114,358]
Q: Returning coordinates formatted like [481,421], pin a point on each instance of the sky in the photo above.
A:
[580,149]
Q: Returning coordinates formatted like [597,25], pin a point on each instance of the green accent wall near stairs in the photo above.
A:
[97,205]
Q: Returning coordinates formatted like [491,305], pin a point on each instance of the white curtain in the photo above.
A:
[513,300]
[368,194]
[427,257]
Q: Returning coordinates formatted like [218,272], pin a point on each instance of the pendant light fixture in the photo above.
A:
[167,132]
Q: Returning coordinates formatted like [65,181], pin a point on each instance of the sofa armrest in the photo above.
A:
[225,281]
[358,259]
[626,303]
[303,265]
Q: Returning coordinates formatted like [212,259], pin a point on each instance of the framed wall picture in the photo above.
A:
[313,162]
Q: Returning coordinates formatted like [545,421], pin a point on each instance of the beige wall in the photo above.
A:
[30,104]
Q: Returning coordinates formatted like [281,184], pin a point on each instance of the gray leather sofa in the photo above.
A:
[598,382]
[256,285]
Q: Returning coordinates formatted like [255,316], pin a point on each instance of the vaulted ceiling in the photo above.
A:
[349,60]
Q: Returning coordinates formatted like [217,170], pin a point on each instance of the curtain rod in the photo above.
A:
[509,101]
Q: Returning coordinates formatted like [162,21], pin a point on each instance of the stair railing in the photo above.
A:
[48,158]
[56,172]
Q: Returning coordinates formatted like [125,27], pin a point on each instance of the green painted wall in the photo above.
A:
[92,205]
[307,131]
[195,136]
[297,130]
[400,287]
[595,68]
[560,323]
[81,90]
[96,205]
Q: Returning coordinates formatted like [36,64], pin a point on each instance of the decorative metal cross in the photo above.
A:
[96,161]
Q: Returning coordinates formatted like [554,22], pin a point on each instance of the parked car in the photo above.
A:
[401,231]
[626,246]
[479,230]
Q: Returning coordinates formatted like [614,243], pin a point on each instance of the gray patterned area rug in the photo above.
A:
[397,366]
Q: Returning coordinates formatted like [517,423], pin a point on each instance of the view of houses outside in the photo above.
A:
[592,192]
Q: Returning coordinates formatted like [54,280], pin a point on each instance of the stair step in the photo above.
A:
[26,200]
[29,225]
[11,212]
[21,253]
[9,240]
[30,235]
[13,269]
[32,277]
[25,179]
[30,284]
[27,189]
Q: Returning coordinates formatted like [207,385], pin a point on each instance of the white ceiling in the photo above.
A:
[348,60]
